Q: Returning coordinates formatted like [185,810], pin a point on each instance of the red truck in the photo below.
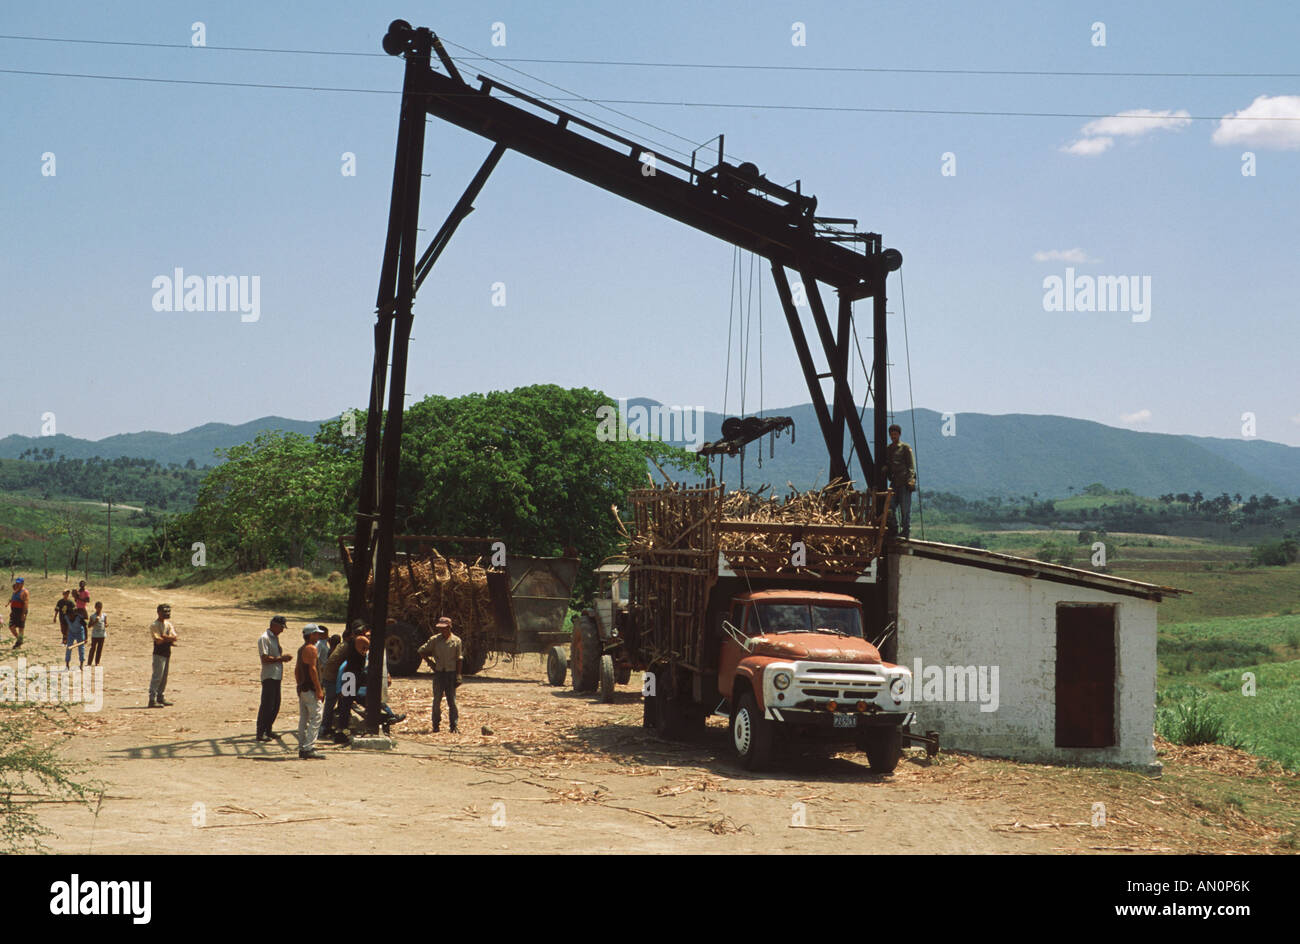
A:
[721,622]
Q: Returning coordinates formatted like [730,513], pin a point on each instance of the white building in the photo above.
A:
[1024,659]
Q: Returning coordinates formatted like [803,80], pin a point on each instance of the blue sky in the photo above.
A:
[601,293]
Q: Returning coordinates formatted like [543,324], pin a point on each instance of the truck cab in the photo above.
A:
[798,660]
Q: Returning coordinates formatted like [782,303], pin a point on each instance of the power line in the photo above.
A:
[115,42]
[876,70]
[748,106]
[739,66]
[570,92]
[936,111]
[140,78]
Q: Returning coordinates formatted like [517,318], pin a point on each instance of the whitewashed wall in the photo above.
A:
[954,614]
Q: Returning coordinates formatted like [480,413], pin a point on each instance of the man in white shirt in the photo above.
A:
[273,660]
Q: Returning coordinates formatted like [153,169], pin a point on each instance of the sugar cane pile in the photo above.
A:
[424,588]
[685,519]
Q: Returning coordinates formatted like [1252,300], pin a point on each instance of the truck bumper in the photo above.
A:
[826,720]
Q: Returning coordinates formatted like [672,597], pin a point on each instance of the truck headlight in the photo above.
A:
[781,681]
[898,689]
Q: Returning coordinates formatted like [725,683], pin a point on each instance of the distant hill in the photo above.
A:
[1014,454]
[1020,454]
[198,443]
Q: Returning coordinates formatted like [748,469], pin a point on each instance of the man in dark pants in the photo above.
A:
[63,611]
[899,465]
[351,679]
[329,678]
[273,660]
[444,652]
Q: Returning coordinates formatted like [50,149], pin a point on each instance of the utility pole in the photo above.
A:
[108,555]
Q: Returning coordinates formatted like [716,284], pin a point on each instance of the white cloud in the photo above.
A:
[1141,416]
[1076,256]
[1296,418]
[1100,134]
[1086,147]
[1270,121]
[1136,122]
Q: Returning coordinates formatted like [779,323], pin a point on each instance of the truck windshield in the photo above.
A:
[803,618]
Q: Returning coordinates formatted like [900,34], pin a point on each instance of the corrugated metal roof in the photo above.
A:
[1028,567]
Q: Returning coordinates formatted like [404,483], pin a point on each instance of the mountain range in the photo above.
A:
[983,455]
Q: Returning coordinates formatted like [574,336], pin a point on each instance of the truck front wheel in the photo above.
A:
[751,734]
[883,747]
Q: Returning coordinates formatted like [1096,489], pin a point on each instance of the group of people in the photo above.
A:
[330,677]
[72,615]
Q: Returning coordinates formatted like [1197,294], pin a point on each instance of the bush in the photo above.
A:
[1275,553]
[1190,723]
[1208,655]
[31,771]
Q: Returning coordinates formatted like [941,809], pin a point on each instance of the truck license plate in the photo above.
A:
[845,721]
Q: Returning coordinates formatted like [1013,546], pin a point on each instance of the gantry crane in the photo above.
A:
[733,202]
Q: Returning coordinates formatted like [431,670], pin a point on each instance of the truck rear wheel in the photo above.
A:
[751,734]
[607,679]
[883,747]
[584,656]
[400,643]
[557,665]
[476,654]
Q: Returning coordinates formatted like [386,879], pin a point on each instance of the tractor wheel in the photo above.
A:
[623,674]
[401,643]
[883,747]
[475,659]
[557,665]
[607,679]
[751,734]
[584,656]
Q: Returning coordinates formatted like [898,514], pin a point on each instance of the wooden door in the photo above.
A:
[1085,675]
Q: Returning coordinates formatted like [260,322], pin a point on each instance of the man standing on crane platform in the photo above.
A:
[900,467]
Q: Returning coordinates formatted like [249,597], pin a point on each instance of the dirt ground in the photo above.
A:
[538,769]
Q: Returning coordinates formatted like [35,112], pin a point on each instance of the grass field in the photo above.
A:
[31,532]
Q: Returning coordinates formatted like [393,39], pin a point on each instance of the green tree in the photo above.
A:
[271,499]
[525,466]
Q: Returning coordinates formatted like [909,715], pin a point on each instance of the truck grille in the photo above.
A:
[842,684]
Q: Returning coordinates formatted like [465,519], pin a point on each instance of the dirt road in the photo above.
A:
[558,772]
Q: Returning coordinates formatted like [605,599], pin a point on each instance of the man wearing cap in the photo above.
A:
[310,694]
[63,611]
[444,652]
[18,611]
[273,660]
[163,634]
